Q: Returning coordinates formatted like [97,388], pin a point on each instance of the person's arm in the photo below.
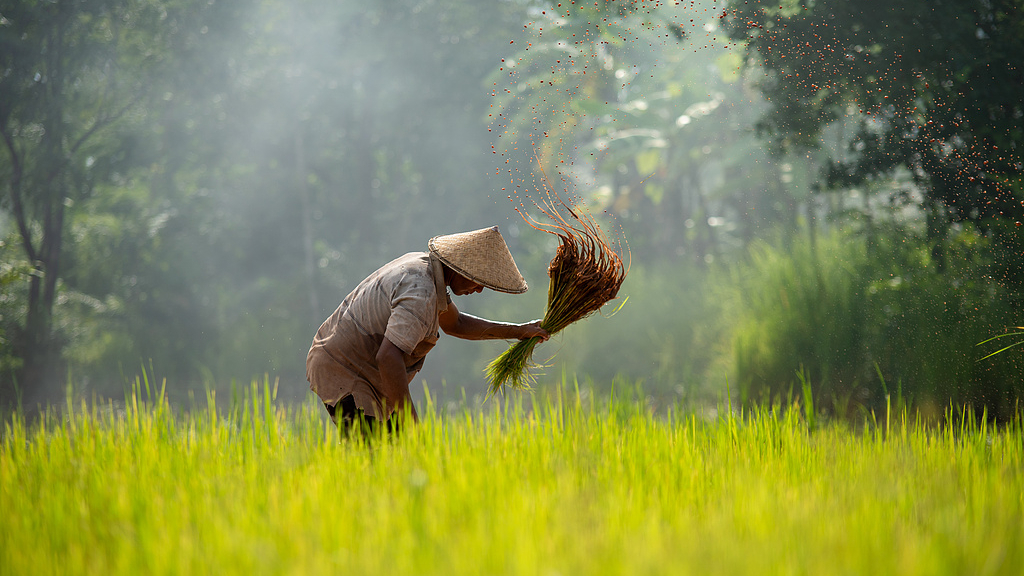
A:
[469,327]
[394,383]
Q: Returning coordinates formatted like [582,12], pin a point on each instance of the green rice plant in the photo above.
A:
[558,482]
[808,398]
[585,273]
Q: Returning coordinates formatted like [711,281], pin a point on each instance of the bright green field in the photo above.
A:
[572,487]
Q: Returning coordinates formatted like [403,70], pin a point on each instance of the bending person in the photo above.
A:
[367,352]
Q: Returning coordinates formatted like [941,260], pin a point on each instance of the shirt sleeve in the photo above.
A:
[411,306]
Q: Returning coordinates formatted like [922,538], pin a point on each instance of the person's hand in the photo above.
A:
[533,330]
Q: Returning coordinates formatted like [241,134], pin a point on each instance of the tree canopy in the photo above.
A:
[930,89]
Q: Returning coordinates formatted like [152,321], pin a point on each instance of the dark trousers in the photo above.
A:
[348,418]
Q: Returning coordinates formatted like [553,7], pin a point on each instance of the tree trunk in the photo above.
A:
[39,380]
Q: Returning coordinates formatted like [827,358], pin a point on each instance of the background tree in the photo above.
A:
[639,109]
[917,108]
[69,75]
[642,107]
[934,89]
[265,159]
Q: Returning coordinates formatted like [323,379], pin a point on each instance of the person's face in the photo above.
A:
[461,285]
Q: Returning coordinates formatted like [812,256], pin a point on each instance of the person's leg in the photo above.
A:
[348,418]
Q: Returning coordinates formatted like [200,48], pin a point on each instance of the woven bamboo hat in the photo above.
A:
[481,256]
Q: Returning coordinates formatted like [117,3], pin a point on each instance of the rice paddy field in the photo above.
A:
[563,484]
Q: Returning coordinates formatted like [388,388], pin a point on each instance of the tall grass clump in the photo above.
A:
[585,273]
[797,309]
[849,314]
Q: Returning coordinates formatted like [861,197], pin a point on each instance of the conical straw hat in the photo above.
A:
[481,256]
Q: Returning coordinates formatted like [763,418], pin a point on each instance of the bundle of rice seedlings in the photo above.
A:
[585,273]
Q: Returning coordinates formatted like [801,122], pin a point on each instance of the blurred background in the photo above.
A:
[813,196]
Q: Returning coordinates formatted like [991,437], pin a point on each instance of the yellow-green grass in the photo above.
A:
[568,487]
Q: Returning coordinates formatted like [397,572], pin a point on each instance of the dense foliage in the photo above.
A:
[915,111]
[933,90]
[192,186]
[865,322]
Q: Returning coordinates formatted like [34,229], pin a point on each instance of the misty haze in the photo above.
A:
[810,192]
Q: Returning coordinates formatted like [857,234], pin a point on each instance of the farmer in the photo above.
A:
[365,355]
